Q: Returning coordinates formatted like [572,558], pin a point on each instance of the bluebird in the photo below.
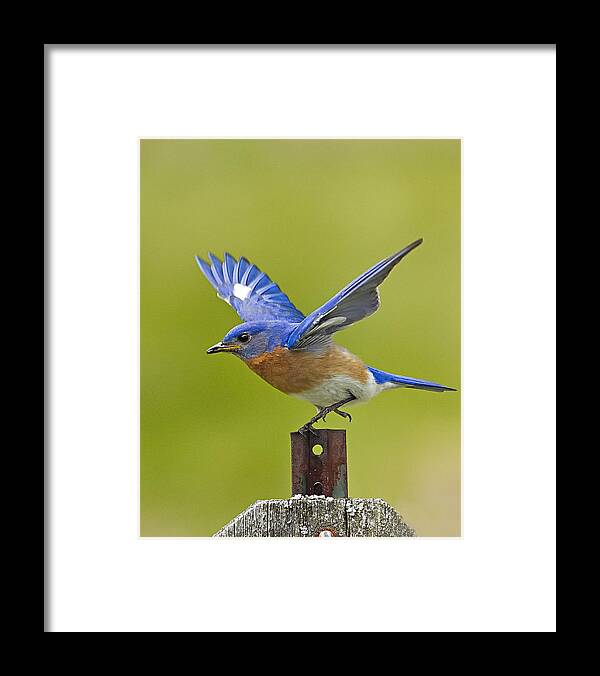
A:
[295,353]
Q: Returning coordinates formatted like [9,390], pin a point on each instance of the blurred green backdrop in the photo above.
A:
[313,214]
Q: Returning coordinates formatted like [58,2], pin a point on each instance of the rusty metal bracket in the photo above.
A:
[320,473]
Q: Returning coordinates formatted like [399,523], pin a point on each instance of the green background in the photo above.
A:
[313,214]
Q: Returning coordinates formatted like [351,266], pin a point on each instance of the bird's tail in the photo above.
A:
[392,380]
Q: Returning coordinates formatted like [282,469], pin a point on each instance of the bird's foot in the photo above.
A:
[343,414]
[307,430]
[324,412]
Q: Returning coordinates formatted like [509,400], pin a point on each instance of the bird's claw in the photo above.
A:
[307,429]
[323,413]
[343,414]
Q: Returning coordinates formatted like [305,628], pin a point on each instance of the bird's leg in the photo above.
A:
[323,412]
[334,408]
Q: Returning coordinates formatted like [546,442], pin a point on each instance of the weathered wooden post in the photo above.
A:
[320,506]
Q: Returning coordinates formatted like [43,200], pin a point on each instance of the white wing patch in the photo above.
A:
[334,321]
[241,291]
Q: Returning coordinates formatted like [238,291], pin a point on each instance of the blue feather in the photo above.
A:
[382,377]
[216,268]
[259,299]
[229,266]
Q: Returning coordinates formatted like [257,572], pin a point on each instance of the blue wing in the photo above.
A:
[354,302]
[248,290]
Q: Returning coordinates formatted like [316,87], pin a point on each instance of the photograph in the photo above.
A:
[297,292]
[330,269]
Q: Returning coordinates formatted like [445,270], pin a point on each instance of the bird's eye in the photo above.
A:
[244,337]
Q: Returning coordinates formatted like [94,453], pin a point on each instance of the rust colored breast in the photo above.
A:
[294,371]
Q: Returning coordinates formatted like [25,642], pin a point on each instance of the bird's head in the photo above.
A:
[252,339]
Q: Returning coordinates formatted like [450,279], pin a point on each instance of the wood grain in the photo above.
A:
[308,516]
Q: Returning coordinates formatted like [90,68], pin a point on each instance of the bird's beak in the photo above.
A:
[222,347]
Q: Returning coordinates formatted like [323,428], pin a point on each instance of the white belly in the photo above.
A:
[340,387]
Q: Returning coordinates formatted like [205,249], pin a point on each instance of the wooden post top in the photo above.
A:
[318,516]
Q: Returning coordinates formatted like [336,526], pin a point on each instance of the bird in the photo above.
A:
[296,353]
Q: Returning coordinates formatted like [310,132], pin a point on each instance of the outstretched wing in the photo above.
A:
[250,292]
[354,302]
